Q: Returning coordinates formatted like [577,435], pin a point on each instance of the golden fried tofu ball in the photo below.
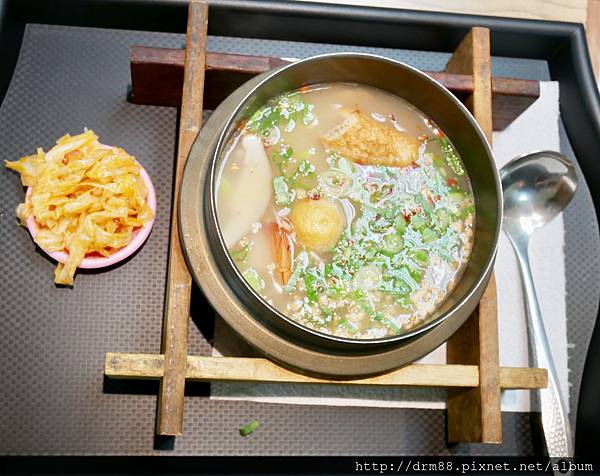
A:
[319,224]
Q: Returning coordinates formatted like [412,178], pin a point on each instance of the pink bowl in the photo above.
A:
[95,260]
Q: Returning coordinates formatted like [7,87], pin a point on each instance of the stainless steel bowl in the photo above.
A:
[238,298]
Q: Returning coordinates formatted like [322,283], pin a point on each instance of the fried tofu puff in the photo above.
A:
[369,143]
[319,224]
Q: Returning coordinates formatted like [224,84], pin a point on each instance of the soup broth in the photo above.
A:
[346,209]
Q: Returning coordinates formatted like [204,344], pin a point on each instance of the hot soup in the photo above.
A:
[346,209]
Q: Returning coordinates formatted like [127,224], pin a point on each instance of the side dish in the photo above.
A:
[86,198]
[346,209]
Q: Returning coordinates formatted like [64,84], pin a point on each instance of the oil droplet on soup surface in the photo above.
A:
[346,209]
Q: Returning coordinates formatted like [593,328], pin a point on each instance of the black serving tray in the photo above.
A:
[562,45]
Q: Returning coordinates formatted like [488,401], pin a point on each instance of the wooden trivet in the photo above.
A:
[473,375]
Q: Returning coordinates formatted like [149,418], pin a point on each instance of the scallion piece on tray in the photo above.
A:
[249,428]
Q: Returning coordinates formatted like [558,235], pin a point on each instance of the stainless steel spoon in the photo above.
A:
[536,188]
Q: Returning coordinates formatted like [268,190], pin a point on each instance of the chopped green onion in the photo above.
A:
[467,211]
[327,313]
[282,191]
[249,428]
[254,279]
[306,168]
[392,326]
[240,254]
[416,275]
[402,300]
[380,225]
[288,107]
[421,200]
[392,243]
[300,265]
[417,222]
[311,282]
[443,219]
[402,287]
[410,276]
[359,294]
[400,224]
[429,235]
[346,324]
[456,201]
[420,256]
[332,269]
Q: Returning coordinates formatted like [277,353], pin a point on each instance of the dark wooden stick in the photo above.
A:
[179,281]
[474,414]
[157,75]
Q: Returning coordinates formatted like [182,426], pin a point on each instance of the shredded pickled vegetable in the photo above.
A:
[85,197]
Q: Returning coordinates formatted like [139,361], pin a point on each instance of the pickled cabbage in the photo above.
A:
[85,197]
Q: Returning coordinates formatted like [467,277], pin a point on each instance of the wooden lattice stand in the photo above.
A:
[194,79]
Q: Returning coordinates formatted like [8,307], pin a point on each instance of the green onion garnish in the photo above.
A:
[249,428]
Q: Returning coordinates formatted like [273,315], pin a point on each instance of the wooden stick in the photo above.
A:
[242,369]
[474,414]
[179,281]
[157,75]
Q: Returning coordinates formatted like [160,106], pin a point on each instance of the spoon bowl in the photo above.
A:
[536,188]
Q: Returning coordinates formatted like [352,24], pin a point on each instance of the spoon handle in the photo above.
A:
[555,421]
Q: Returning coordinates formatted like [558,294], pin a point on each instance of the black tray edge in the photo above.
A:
[562,45]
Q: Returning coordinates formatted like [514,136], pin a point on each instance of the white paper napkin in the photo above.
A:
[535,129]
